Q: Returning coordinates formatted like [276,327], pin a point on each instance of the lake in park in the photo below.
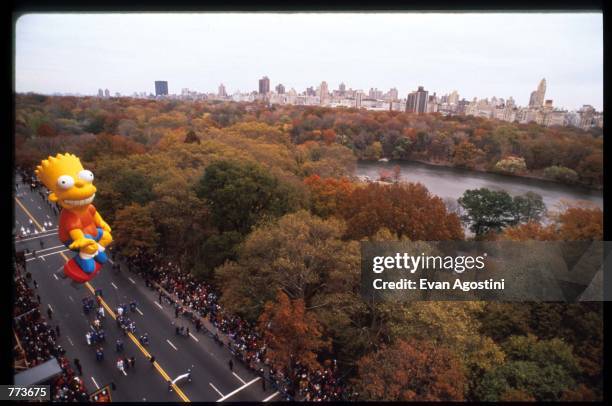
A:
[452,182]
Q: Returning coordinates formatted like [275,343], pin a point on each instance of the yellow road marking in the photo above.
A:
[161,371]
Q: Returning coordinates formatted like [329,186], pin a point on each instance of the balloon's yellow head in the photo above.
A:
[70,184]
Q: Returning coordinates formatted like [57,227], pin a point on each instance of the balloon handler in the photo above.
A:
[81,228]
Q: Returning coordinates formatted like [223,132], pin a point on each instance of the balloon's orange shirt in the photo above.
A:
[82,220]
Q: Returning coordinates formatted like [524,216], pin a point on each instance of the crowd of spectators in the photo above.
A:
[69,387]
[194,299]
[39,341]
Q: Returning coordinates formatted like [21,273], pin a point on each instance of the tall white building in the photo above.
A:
[537,97]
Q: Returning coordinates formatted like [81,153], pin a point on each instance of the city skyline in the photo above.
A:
[302,50]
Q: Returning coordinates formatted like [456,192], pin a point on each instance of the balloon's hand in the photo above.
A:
[105,226]
[87,245]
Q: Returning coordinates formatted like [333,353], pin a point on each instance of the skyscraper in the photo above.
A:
[161,88]
[324,92]
[537,97]
[100,93]
[342,89]
[417,101]
[264,85]
[222,92]
[280,89]
[106,93]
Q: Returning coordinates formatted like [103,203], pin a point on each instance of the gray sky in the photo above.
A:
[479,55]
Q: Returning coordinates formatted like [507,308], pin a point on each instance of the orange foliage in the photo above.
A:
[578,223]
[574,224]
[329,136]
[411,371]
[291,333]
[111,145]
[326,194]
[529,231]
[406,209]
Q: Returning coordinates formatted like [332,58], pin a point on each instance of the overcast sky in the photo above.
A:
[479,55]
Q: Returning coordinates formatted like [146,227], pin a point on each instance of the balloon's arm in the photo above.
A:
[101,223]
[80,241]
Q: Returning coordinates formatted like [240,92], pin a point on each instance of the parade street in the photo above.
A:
[175,355]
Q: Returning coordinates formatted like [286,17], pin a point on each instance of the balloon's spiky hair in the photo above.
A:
[47,165]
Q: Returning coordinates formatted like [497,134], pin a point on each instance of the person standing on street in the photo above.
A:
[231,365]
[152,360]
[57,330]
[50,313]
[78,366]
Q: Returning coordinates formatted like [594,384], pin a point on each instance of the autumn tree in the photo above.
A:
[531,230]
[134,231]
[466,155]
[406,209]
[107,144]
[453,325]
[125,180]
[182,231]
[590,169]
[297,254]
[291,334]
[410,371]
[327,194]
[511,165]
[578,223]
[46,130]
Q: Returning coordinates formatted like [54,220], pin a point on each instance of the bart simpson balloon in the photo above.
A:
[81,228]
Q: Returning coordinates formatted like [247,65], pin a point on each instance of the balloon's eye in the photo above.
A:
[65,182]
[86,175]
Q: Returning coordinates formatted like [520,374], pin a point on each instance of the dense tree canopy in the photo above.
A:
[241,194]
[261,201]
[406,209]
[411,371]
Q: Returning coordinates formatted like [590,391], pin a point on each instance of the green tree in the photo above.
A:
[538,369]
[487,210]
[561,173]
[240,194]
[528,207]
